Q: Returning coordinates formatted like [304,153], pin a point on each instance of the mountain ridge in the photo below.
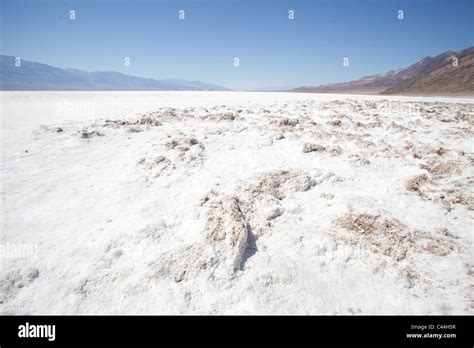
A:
[397,80]
[40,76]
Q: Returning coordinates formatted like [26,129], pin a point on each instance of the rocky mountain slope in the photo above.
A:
[432,75]
[445,79]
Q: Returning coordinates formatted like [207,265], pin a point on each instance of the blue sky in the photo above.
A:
[273,50]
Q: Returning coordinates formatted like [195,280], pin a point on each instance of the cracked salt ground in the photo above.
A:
[239,203]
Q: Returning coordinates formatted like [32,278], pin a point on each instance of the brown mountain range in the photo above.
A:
[430,76]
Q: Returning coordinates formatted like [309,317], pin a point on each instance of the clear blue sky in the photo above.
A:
[273,50]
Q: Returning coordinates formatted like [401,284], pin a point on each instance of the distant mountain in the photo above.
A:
[402,81]
[275,88]
[37,76]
